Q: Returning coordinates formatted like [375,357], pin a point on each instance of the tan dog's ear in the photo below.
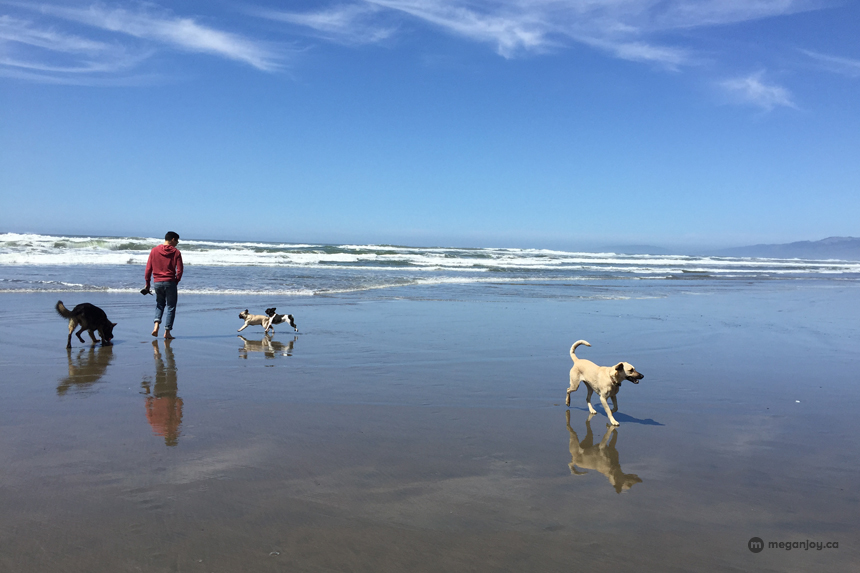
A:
[619,366]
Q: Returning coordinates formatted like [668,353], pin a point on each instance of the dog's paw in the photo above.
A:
[614,423]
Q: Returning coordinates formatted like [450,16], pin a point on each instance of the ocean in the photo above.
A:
[47,263]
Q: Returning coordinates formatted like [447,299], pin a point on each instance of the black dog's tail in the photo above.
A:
[64,312]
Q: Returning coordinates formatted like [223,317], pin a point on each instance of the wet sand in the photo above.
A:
[403,435]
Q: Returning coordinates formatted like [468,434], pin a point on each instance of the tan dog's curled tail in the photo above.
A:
[61,308]
[573,348]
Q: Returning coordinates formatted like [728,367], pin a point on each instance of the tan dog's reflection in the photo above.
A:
[602,457]
[268,346]
[163,406]
[86,368]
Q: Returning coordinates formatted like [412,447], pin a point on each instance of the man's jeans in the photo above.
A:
[165,294]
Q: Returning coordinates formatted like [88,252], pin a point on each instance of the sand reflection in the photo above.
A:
[602,457]
[270,348]
[163,406]
[85,368]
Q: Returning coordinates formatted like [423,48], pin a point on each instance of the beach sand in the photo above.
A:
[431,435]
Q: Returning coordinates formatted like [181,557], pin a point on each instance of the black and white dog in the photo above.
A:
[279,318]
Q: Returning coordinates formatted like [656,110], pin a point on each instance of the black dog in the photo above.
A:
[88,317]
[279,318]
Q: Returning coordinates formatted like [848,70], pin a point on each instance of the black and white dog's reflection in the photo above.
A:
[269,347]
[86,367]
[602,457]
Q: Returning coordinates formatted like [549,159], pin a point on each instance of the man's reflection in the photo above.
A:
[163,406]
[269,347]
[85,368]
[602,457]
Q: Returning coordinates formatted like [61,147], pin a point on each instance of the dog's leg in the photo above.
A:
[244,326]
[575,378]
[588,400]
[614,404]
[78,334]
[608,411]
[71,330]
[93,337]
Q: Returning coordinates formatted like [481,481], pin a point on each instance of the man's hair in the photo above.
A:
[171,235]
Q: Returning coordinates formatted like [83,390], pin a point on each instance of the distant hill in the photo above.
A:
[830,248]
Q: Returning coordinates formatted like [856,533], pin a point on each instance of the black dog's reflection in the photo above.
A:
[163,406]
[602,457]
[268,346]
[86,368]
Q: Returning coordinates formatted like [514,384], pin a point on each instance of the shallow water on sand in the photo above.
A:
[428,435]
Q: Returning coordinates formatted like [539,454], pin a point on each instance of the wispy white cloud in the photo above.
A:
[149,22]
[680,14]
[28,74]
[626,29]
[753,90]
[510,28]
[24,45]
[844,66]
[24,32]
[53,42]
[347,24]
[103,37]
[88,67]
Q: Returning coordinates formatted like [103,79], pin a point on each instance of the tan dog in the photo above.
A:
[605,380]
[255,320]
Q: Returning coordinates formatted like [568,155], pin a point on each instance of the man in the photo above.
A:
[164,267]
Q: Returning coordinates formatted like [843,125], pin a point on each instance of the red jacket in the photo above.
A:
[164,264]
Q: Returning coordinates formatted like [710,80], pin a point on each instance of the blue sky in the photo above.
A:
[544,123]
